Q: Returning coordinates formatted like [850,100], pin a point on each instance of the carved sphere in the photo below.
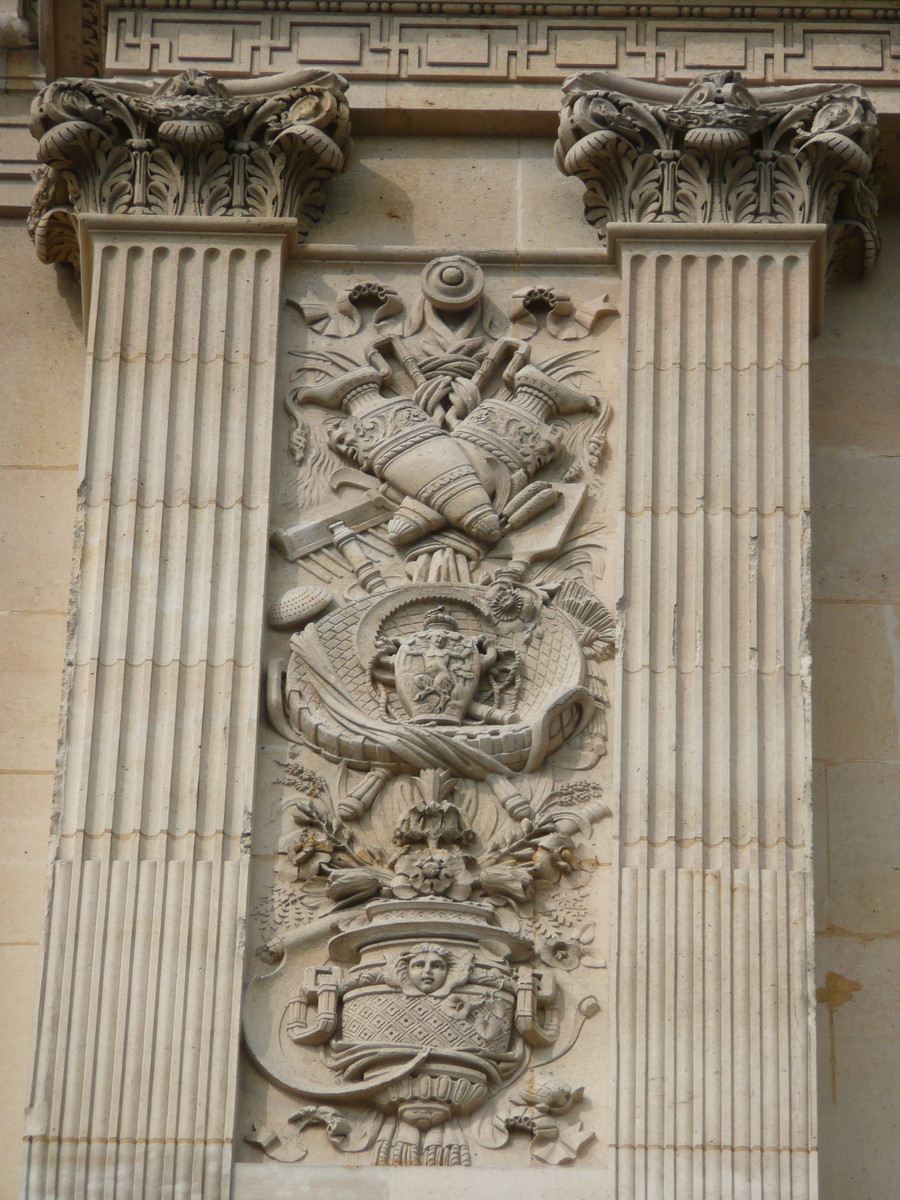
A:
[452,282]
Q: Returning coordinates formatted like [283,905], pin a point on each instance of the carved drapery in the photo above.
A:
[189,146]
[722,152]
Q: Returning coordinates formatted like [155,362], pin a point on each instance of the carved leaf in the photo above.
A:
[166,180]
[692,195]
[213,181]
[741,188]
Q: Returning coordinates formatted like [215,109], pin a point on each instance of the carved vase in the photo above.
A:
[516,431]
[393,439]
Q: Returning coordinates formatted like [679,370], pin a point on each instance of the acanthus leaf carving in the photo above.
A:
[188,146]
[722,152]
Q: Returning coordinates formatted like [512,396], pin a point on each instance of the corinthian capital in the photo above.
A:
[189,146]
[721,152]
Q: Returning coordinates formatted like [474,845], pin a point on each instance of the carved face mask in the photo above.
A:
[427,972]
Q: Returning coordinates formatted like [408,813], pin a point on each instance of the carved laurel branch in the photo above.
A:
[719,152]
[189,147]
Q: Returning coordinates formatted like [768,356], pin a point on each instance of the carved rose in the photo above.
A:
[431,873]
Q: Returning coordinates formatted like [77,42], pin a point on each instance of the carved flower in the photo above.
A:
[307,851]
[306,812]
[507,603]
[547,1094]
[438,824]
[718,112]
[555,856]
[356,883]
[539,1107]
[506,883]
[565,954]
[193,108]
[428,873]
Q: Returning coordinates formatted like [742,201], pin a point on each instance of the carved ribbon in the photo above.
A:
[564,320]
[341,317]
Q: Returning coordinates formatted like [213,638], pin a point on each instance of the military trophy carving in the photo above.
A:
[429,945]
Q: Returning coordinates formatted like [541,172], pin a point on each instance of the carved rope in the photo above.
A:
[187,147]
[719,152]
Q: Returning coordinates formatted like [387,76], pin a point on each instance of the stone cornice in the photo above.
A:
[188,147]
[719,152]
[864,10]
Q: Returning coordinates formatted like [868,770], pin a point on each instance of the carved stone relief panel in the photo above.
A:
[428,916]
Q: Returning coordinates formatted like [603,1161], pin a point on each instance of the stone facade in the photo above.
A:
[463,764]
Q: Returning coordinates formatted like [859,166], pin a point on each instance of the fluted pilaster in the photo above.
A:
[714,1074]
[137,1038]
[722,207]
[179,201]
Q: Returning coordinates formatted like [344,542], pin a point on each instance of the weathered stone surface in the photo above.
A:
[698,526]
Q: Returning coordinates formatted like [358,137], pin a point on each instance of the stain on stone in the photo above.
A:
[837,990]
